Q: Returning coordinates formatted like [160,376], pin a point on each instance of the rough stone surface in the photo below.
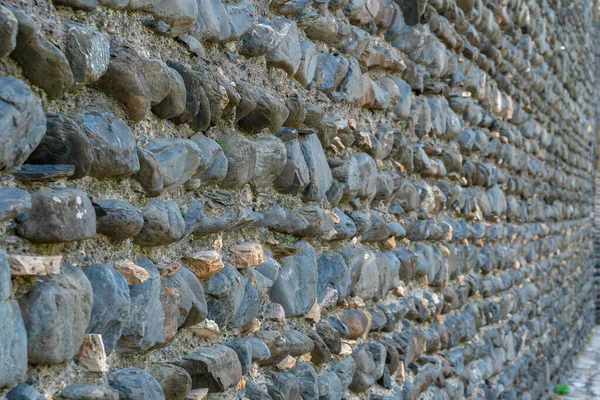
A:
[135,384]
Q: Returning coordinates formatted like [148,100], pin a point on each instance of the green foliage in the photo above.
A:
[562,389]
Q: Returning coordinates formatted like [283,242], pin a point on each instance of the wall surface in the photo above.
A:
[295,199]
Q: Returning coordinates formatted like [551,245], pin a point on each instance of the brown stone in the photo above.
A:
[246,255]
[287,363]
[34,265]
[314,314]
[91,354]
[207,329]
[133,273]
[204,264]
[357,321]
[170,268]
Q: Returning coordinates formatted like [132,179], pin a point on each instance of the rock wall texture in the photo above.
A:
[295,199]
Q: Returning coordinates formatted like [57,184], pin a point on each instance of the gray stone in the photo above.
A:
[241,160]
[42,62]
[197,111]
[295,176]
[363,271]
[351,84]
[22,122]
[13,202]
[58,215]
[344,369]
[86,391]
[286,55]
[113,143]
[225,294]
[8,32]
[308,379]
[177,159]
[13,342]
[295,106]
[330,387]
[320,353]
[254,392]
[145,327]
[270,112]
[370,362]
[124,80]
[241,18]
[163,224]
[308,63]
[212,24]
[248,309]
[56,313]
[43,173]
[135,384]
[260,351]
[330,336]
[148,176]
[358,175]
[283,386]
[174,381]
[24,392]
[88,52]
[285,221]
[5,281]
[192,303]
[318,168]
[296,286]
[271,159]
[174,102]
[333,273]
[216,368]
[117,219]
[214,89]
[111,303]
[260,39]
[345,227]
[330,71]
[243,349]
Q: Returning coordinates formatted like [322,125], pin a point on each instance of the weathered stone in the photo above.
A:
[13,202]
[212,24]
[363,271]
[320,353]
[241,17]
[163,224]
[370,363]
[91,354]
[260,39]
[206,329]
[42,62]
[192,303]
[308,63]
[145,326]
[225,293]
[216,93]
[43,173]
[318,169]
[197,111]
[149,176]
[269,112]
[243,349]
[241,160]
[344,369]
[246,255]
[111,303]
[177,159]
[132,273]
[174,381]
[22,122]
[333,273]
[88,52]
[24,392]
[271,156]
[286,55]
[174,103]
[358,175]
[308,379]
[204,264]
[216,368]
[56,313]
[135,384]
[197,394]
[58,215]
[13,342]
[296,286]
[254,392]
[34,265]
[87,391]
[117,219]
[283,385]
[8,32]
[295,175]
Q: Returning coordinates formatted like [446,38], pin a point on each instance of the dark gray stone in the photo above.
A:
[260,351]
[364,272]
[260,39]
[22,122]
[192,303]
[88,52]
[174,381]
[163,224]
[43,173]
[243,349]
[269,112]
[283,386]
[330,387]
[286,55]
[8,32]
[296,286]
[86,391]
[213,88]
[248,309]
[320,353]
[308,63]
[318,168]
[56,313]
[370,362]
[295,176]
[254,392]
[224,293]
[113,143]
[271,159]
[197,110]
[345,228]
[216,368]
[148,176]
[135,384]
[24,392]
[241,160]
[13,341]
[58,215]
[111,303]
[358,175]
[145,326]
[42,62]
[174,103]
[177,159]
[344,369]
[117,219]
[330,336]
[333,273]
[308,379]
[13,202]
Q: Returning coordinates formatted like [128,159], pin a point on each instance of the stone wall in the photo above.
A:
[316,199]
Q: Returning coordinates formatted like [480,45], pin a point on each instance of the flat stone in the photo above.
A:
[43,173]
[22,122]
[88,52]
[13,342]
[271,157]
[135,384]
[174,381]
[246,255]
[58,215]
[42,62]
[204,264]
[177,159]
[117,219]
[34,265]
[145,327]
[9,27]
[296,286]
[56,313]
[163,224]
[113,144]
[197,394]
[91,354]
[13,202]
[132,273]
[124,80]
[111,303]
[87,391]
[216,368]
